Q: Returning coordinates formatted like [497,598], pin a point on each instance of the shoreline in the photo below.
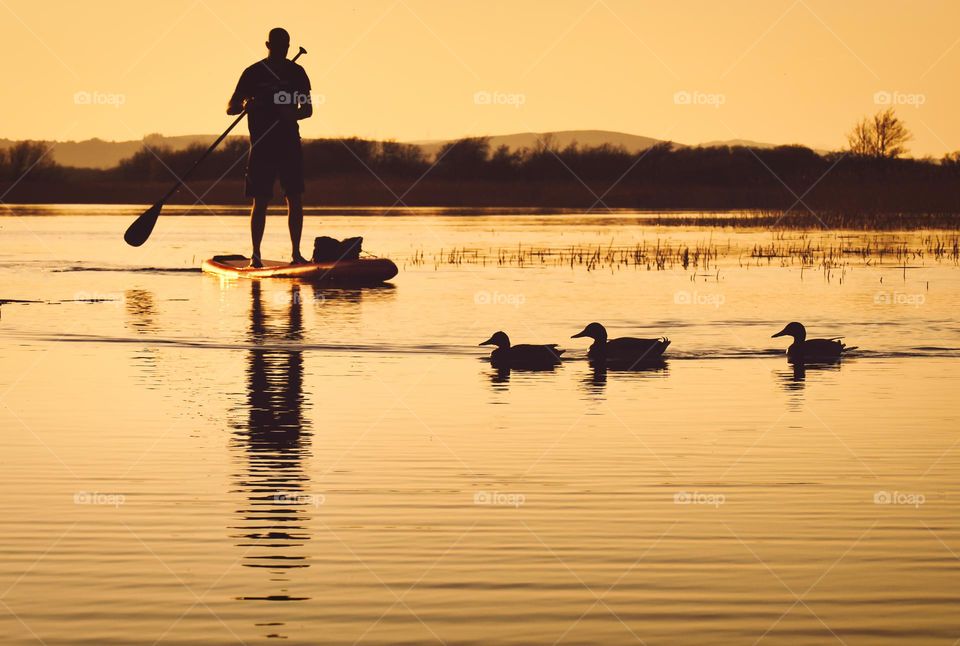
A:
[771,219]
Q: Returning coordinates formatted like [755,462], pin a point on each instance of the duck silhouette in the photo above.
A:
[523,356]
[624,350]
[804,350]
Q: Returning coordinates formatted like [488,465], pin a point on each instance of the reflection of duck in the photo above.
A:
[793,380]
[624,351]
[804,350]
[500,376]
[794,377]
[273,441]
[524,356]
[596,380]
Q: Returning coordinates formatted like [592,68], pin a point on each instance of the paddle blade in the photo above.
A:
[138,232]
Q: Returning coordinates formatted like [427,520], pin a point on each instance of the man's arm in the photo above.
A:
[238,102]
[305,106]
[305,109]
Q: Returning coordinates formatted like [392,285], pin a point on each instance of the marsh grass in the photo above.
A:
[827,251]
[801,219]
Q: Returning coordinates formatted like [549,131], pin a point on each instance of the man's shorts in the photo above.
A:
[270,159]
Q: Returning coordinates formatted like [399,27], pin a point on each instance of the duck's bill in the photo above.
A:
[488,342]
[579,335]
[782,332]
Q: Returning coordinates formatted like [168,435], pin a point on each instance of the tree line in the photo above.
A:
[874,158]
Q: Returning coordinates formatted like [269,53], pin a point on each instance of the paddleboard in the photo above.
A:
[364,271]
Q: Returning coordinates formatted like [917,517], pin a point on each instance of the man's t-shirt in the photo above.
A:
[275,86]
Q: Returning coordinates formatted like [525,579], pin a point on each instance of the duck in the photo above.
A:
[623,350]
[522,356]
[804,350]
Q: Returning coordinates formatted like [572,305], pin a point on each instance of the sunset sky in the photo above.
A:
[779,71]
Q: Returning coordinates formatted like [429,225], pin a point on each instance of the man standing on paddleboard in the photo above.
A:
[276,94]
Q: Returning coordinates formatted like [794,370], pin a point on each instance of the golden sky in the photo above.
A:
[779,71]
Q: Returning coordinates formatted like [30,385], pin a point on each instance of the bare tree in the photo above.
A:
[892,134]
[951,159]
[26,157]
[884,135]
[859,140]
[546,144]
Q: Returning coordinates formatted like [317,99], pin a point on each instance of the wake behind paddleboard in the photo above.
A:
[363,271]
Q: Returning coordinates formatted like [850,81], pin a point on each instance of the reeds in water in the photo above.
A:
[808,250]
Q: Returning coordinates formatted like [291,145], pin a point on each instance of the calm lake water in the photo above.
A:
[191,460]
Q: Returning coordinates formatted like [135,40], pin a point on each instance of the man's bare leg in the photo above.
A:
[258,221]
[295,220]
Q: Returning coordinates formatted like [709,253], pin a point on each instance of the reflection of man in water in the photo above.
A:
[272,525]
[275,380]
[276,94]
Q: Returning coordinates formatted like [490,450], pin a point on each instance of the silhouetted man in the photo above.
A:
[276,94]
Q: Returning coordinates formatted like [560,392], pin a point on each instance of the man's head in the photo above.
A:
[278,42]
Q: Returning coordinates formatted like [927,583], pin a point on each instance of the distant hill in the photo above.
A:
[738,142]
[561,139]
[92,153]
[97,153]
[749,143]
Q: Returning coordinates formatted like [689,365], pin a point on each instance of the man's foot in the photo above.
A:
[255,263]
[299,260]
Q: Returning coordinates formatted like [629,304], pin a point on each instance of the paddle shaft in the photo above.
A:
[141,228]
[183,178]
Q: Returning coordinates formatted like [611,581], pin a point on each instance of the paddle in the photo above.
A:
[138,232]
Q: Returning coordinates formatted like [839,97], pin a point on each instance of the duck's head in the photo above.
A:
[594,331]
[499,339]
[796,330]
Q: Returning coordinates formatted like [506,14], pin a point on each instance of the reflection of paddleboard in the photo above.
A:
[364,271]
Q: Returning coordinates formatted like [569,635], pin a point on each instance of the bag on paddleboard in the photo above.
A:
[327,249]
